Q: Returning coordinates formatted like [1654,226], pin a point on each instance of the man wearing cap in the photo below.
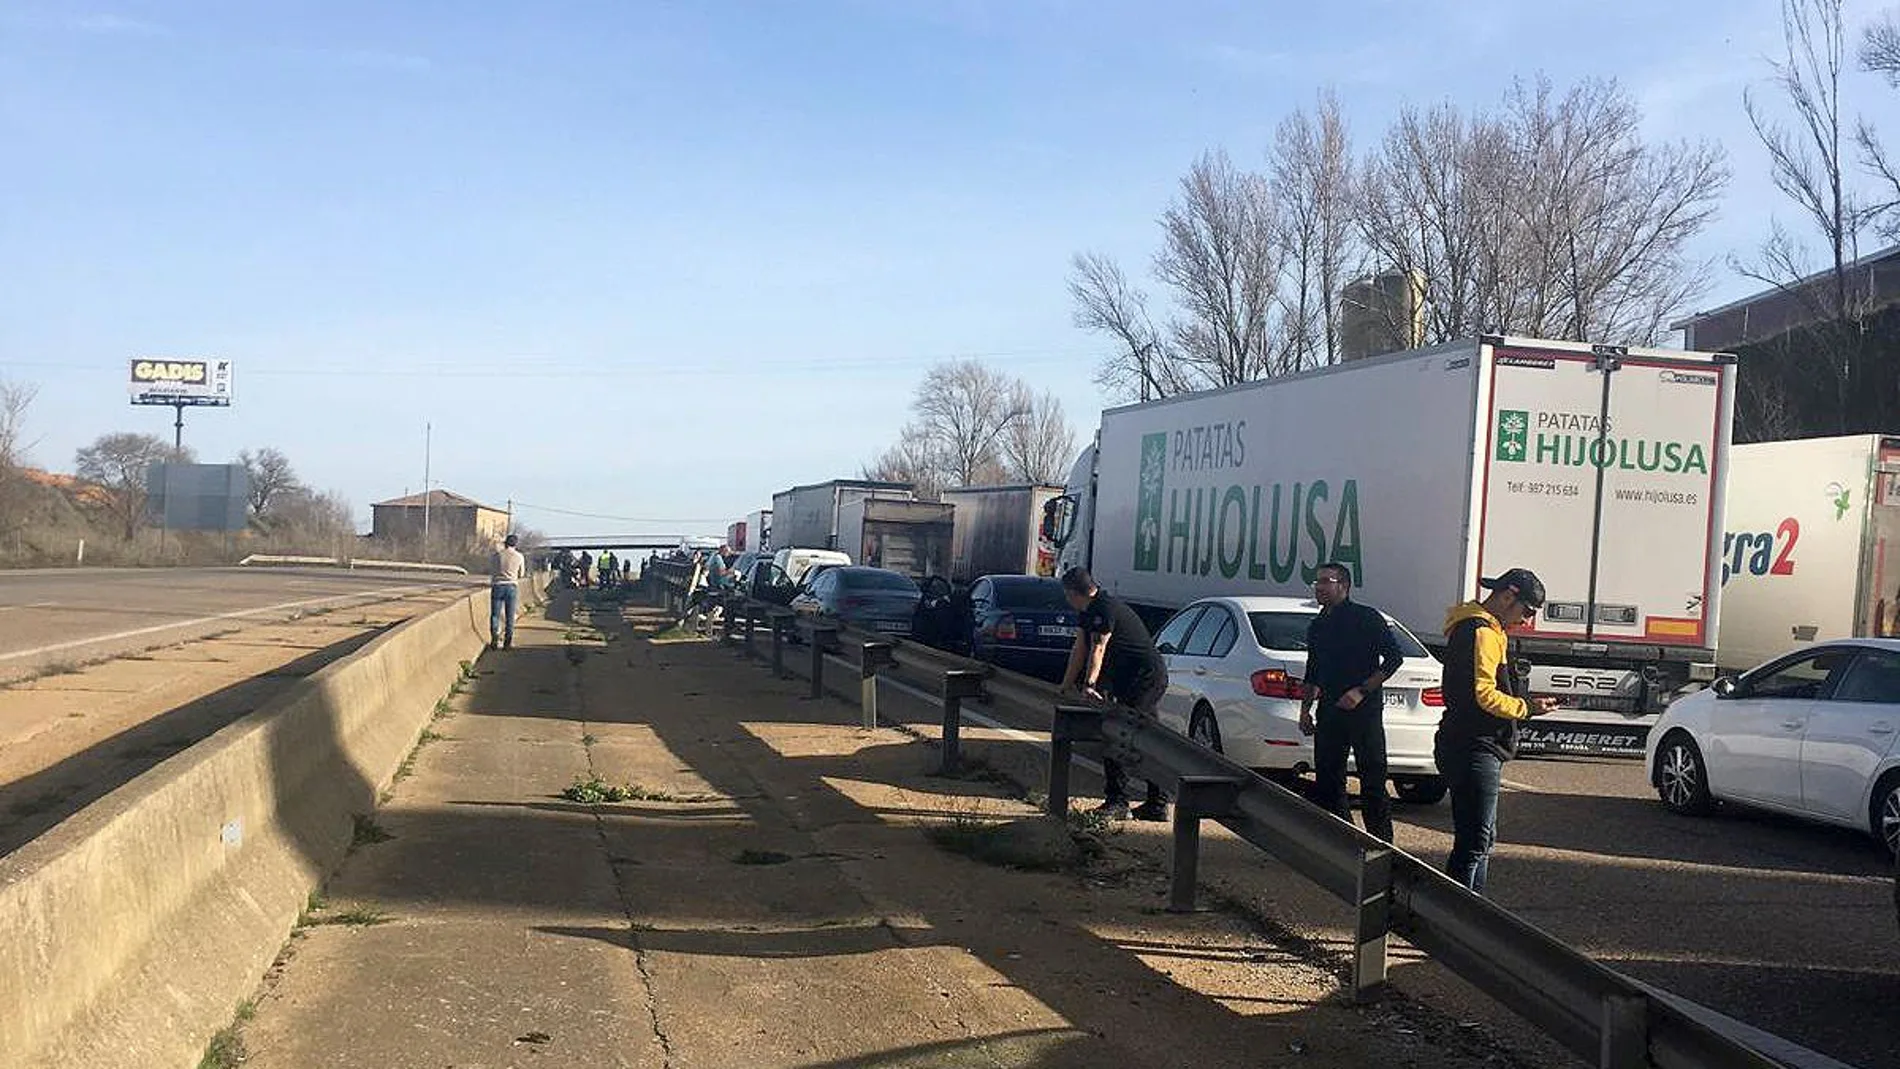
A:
[504,593]
[1482,711]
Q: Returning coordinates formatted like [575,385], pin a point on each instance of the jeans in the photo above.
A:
[504,601]
[1473,775]
[1362,732]
[1145,701]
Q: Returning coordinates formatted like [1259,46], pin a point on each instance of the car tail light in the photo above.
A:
[853,603]
[1006,629]
[1434,697]
[1274,683]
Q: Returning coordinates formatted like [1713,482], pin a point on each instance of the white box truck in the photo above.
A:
[1811,547]
[806,517]
[999,531]
[909,537]
[1600,468]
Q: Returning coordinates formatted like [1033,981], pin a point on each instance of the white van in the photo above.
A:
[798,563]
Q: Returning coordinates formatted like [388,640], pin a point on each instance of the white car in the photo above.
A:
[1235,671]
[1809,734]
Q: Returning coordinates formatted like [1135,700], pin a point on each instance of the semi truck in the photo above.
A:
[909,537]
[1601,468]
[999,531]
[759,531]
[1811,546]
[806,517]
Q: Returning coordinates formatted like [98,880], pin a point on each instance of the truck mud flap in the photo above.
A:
[1607,740]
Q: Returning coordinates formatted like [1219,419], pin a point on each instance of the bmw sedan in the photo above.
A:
[1235,675]
[1022,623]
[870,599]
[1810,734]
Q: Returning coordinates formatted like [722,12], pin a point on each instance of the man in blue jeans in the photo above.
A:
[504,594]
[1482,711]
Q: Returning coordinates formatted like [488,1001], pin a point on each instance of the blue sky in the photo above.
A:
[658,260]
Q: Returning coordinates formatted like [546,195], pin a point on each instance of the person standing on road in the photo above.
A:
[1114,659]
[587,566]
[1350,653]
[504,593]
[1478,732]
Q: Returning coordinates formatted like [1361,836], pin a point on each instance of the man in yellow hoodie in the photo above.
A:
[1482,711]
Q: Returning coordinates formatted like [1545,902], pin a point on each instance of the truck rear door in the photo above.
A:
[1603,474]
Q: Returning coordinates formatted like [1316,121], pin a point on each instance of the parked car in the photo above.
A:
[1022,623]
[870,599]
[1235,675]
[1809,734]
[795,562]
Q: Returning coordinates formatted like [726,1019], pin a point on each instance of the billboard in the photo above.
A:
[181,382]
[198,497]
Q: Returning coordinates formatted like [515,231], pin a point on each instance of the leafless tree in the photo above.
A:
[118,463]
[1313,174]
[1039,447]
[911,459]
[272,479]
[963,409]
[1880,54]
[16,398]
[1220,257]
[1105,303]
[316,518]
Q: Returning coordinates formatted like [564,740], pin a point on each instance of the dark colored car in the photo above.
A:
[1022,623]
[870,599]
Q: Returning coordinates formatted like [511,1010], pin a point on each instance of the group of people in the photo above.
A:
[582,571]
[1351,652]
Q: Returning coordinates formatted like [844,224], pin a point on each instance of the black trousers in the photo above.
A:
[1144,697]
[1360,732]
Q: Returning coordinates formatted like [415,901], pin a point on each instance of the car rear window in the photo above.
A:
[1287,631]
[1034,595]
[876,580]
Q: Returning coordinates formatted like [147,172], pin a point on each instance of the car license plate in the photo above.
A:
[892,625]
[1399,699]
[1056,631]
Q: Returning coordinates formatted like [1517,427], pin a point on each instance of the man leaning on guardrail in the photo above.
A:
[1114,659]
[1482,711]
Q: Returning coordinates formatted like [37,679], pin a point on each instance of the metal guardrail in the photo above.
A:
[350,563]
[1606,1018]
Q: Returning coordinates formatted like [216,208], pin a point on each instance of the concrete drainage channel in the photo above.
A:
[129,932]
[1602,1016]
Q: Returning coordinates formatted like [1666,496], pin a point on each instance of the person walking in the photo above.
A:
[504,593]
[1478,731]
[1350,653]
[587,569]
[1114,659]
[609,571]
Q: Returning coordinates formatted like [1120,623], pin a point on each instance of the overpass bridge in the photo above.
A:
[596,543]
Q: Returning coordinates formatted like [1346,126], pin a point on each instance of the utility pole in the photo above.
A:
[428,434]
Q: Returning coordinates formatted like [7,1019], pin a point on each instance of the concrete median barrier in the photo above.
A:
[130,932]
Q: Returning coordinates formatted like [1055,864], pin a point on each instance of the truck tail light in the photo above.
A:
[1006,629]
[1275,683]
[1433,697]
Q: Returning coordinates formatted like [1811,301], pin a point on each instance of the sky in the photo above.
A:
[650,262]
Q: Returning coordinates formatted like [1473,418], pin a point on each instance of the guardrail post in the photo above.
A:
[780,619]
[1072,724]
[1375,922]
[958,684]
[871,657]
[822,635]
[1625,1033]
[1197,798]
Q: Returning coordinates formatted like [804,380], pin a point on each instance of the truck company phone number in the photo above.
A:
[1545,489]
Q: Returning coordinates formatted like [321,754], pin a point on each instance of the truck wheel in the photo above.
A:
[1204,729]
[1682,778]
[1420,790]
[1886,813]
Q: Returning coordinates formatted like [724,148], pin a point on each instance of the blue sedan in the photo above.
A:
[1022,623]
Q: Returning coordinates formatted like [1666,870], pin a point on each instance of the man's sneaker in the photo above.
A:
[492,644]
[508,645]
[1153,812]
[1112,810]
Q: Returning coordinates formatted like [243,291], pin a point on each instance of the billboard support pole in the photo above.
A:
[178,432]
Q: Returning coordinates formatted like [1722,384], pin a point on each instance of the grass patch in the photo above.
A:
[429,735]
[589,739]
[366,832]
[360,917]
[676,633]
[592,790]
[570,635]
[1036,844]
[761,857]
[60,668]
[468,670]
[226,1049]
[443,708]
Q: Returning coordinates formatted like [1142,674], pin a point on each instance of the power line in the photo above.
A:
[615,519]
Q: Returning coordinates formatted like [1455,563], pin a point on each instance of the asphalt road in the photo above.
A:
[69,616]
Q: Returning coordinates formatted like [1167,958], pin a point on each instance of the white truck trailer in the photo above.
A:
[999,532]
[806,517]
[1600,468]
[1811,548]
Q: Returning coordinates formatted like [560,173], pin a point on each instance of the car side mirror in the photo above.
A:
[1166,649]
[1725,687]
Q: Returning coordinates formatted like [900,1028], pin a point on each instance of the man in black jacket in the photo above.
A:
[1482,712]
[1350,653]
[1114,659]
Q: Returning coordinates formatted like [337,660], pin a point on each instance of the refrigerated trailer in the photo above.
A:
[1600,468]
[1811,549]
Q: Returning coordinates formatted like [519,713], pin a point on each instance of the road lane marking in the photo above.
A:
[240,615]
[31,605]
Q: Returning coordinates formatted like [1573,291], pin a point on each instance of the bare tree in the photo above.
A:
[1313,172]
[1880,54]
[1106,303]
[118,463]
[1040,446]
[272,478]
[1220,256]
[912,459]
[963,408]
[16,398]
